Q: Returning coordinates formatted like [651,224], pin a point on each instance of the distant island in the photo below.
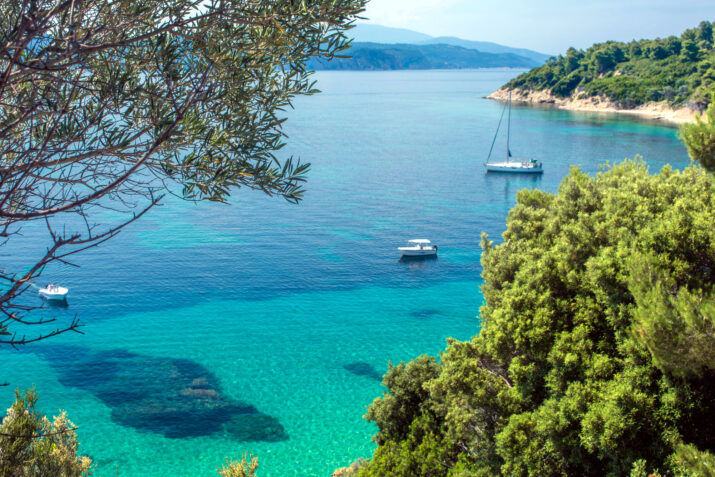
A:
[667,78]
[377,47]
[379,56]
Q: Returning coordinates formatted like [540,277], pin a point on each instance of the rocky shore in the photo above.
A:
[350,471]
[658,111]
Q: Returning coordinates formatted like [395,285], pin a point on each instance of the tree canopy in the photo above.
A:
[595,355]
[678,70]
[699,138]
[112,103]
[31,444]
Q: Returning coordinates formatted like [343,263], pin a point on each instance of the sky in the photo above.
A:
[547,26]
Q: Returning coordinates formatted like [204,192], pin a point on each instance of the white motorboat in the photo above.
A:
[53,292]
[418,248]
[518,165]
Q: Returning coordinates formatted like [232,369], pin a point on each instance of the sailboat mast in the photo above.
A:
[508,130]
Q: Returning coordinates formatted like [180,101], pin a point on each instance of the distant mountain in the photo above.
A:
[366,32]
[378,56]
[488,47]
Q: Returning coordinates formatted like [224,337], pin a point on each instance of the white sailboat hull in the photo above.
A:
[522,167]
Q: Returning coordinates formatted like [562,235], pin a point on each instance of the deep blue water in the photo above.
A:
[260,326]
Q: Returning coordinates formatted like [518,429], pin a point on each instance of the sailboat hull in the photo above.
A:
[512,164]
[515,167]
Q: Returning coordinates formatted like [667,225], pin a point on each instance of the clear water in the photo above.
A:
[263,327]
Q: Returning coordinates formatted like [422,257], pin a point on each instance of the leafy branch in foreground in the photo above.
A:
[110,104]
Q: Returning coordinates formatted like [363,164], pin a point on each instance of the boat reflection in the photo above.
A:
[418,262]
[57,303]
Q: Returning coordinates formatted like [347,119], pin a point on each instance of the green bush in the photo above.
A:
[32,445]
[246,467]
[595,353]
[699,138]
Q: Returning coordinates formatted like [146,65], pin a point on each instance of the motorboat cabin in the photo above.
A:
[418,248]
[54,292]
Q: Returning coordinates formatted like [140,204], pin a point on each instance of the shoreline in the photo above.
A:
[655,111]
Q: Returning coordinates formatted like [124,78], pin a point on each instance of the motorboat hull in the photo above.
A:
[514,167]
[417,252]
[56,294]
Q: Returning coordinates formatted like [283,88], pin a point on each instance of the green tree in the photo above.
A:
[673,45]
[404,403]
[603,60]
[690,50]
[572,59]
[32,445]
[595,352]
[659,52]
[699,138]
[705,32]
[634,50]
[112,103]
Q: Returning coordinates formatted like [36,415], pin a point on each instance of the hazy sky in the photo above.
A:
[549,26]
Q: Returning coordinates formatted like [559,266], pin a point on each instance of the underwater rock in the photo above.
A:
[178,398]
[426,313]
[200,393]
[255,427]
[363,369]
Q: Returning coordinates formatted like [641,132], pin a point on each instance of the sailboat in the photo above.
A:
[512,164]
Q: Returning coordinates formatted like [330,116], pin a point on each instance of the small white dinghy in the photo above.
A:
[418,248]
[53,292]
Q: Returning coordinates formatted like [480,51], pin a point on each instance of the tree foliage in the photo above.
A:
[699,138]
[246,467]
[595,352]
[32,445]
[112,103]
[679,70]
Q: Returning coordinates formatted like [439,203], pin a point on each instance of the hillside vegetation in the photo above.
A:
[371,33]
[378,56]
[678,70]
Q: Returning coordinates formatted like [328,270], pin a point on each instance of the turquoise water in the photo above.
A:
[262,327]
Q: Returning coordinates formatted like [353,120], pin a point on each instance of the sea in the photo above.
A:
[260,327]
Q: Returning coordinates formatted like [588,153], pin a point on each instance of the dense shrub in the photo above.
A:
[32,445]
[595,353]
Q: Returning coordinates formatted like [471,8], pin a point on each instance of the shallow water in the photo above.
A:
[263,327]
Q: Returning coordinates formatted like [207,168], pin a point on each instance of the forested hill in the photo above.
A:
[678,70]
[379,56]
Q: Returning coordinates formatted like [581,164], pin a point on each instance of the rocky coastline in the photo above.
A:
[660,111]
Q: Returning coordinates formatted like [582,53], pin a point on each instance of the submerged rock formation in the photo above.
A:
[178,398]
[363,369]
